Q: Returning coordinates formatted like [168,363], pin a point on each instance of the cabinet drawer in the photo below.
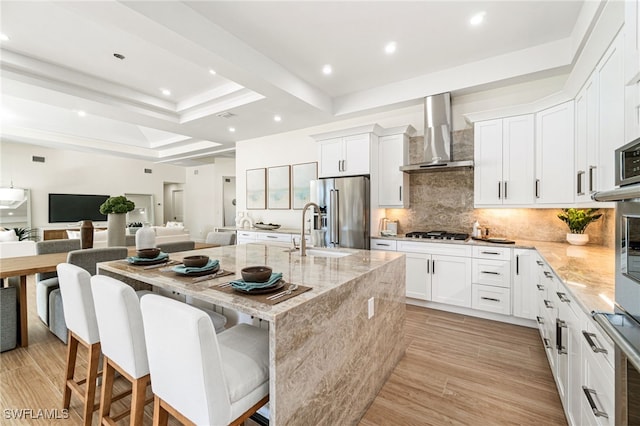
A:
[434,248]
[491,272]
[486,252]
[491,299]
[382,244]
[270,237]
[599,344]
[599,383]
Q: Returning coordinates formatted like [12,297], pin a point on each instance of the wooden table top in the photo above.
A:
[28,265]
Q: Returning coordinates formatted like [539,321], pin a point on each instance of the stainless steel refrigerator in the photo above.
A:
[345,211]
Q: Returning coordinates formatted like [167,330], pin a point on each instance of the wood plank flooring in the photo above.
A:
[457,370]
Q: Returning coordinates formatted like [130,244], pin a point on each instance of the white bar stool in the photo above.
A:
[80,317]
[204,378]
[123,346]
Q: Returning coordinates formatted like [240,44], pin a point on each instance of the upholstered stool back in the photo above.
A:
[77,300]
[87,258]
[176,246]
[221,238]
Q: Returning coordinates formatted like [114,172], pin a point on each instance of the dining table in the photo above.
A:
[23,266]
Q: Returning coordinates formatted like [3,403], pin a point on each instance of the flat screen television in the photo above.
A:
[75,207]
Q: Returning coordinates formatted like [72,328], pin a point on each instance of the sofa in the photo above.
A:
[164,234]
[11,247]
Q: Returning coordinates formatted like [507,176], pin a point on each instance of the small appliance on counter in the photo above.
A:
[388,227]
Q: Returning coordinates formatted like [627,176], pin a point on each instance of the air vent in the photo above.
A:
[225,114]
[148,171]
[37,159]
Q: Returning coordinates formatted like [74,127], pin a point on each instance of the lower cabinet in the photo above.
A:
[451,280]
[244,237]
[524,284]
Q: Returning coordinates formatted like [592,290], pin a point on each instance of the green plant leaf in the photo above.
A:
[578,219]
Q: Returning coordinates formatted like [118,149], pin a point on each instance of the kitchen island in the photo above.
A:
[328,359]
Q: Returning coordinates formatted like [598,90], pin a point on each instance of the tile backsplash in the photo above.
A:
[444,201]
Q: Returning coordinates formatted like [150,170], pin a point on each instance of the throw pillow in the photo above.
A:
[8,235]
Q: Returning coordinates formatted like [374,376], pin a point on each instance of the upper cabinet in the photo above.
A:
[555,155]
[393,152]
[504,161]
[586,105]
[345,156]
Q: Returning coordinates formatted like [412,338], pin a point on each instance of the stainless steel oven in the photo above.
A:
[623,325]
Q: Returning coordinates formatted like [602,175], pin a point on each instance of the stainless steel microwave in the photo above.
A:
[627,164]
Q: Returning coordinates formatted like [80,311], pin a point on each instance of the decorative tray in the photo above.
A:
[268,226]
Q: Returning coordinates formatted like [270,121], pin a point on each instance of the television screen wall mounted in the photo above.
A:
[76,207]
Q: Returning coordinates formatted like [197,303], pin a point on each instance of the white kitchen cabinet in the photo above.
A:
[586,104]
[598,388]
[274,238]
[611,115]
[524,284]
[491,279]
[383,244]
[631,41]
[393,185]
[504,161]
[568,347]
[555,155]
[438,272]
[345,156]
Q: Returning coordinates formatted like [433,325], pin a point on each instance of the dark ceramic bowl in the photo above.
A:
[256,274]
[148,253]
[195,261]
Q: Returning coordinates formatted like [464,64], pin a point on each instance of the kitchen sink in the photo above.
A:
[327,253]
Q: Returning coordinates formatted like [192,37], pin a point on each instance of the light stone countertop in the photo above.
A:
[587,271]
[277,231]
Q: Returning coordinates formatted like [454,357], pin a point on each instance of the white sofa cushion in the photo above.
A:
[97,235]
[17,249]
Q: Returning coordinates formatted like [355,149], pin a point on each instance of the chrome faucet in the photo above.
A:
[303,242]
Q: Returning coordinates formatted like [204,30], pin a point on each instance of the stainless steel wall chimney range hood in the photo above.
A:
[437,137]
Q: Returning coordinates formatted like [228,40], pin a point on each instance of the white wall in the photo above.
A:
[80,173]
[203,196]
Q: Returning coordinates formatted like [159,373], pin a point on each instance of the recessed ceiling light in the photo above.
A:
[327,69]
[4,37]
[390,47]
[277,118]
[212,72]
[232,129]
[477,18]
[166,92]
[82,113]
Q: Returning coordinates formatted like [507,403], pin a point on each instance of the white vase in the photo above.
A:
[577,239]
[116,229]
[145,237]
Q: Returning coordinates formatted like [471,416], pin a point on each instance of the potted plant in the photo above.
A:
[577,220]
[26,234]
[116,209]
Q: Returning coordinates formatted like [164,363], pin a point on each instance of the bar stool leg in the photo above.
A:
[72,353]
[160,414]
[138,399]
[92,376]
[108,374]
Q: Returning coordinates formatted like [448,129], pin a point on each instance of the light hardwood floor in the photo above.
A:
[457,370]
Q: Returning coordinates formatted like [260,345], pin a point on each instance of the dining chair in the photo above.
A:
[221,238]
[86,259]
[123,347]
[80,318]
[205,378]
[46,282]
[175,246]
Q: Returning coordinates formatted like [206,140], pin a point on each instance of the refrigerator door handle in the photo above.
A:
[335,226]
[333,212]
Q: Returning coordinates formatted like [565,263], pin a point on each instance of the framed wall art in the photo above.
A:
[256,189]
[279,187]
[301,177]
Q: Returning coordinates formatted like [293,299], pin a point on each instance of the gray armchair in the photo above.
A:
[221,238]
[177,246]
[48,281]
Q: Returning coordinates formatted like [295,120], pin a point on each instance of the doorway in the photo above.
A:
[229,200]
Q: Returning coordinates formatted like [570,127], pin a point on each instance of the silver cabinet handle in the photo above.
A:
[579,177]
[433,266]
[344,165]
[428,267]
[271,236]
[491,299]
[540,320]
[499,189]
[560,324]
[540,287]
[589,394]
[505,189]
[539,262]
[548,304]
[495,253]
[547,343]
[591,169]
[490,272]
[548,275]
[537,188]
[385,245]
[563,297]
[595,348]
[400,192]
[517,264]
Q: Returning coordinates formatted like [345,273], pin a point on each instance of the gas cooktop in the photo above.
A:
[437,235]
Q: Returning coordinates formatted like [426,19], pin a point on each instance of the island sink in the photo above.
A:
[327,253]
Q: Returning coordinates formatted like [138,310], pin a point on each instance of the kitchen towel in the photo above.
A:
[244,285]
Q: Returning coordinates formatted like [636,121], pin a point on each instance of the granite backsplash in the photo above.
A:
[444,201]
